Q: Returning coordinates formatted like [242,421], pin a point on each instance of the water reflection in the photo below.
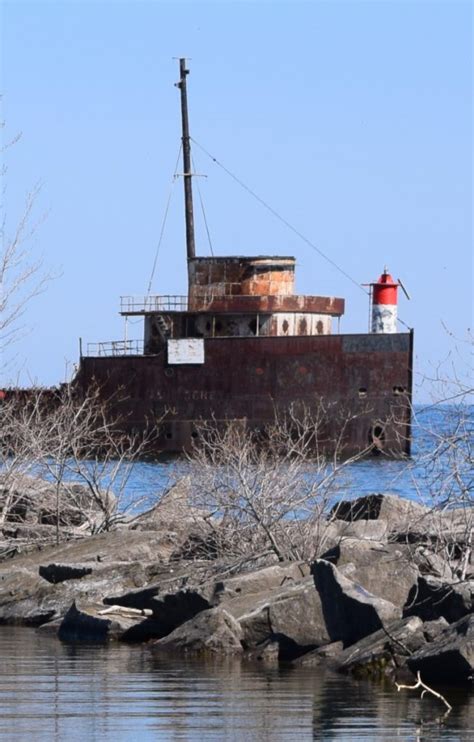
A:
[54,691]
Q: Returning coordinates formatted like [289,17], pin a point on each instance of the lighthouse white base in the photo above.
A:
[384,318]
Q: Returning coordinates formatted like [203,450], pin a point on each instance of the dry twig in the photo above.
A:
[426,689]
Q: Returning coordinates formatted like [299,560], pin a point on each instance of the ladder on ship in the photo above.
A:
[163,327]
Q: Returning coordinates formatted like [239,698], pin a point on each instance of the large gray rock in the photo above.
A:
[180,592]
[173,603]
[410,522]
[119,562]
[398,512]
[432,598]
[325,655]
[266,579]
[433,629]
[349,610]
[187,527]
[122,545]
[385,651]
[337,530]
[170,610]
[95,623]
[450,657]
[452,528]
[432,564]
[30,600]
[173,510]
[382,569]
[27,599]
[291,615]
[212,631]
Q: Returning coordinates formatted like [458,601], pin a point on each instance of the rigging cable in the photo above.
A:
[279,217]
[175,176]
[203,211]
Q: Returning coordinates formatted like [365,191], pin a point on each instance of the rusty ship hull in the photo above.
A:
[361,381]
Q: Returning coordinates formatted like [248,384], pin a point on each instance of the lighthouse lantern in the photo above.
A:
[384,304]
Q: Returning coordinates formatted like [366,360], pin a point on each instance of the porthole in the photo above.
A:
[397,390]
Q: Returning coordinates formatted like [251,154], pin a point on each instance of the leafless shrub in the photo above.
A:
[69,441]
[447,461]
[268,492]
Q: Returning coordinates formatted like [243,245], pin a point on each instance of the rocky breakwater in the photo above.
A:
[391,593]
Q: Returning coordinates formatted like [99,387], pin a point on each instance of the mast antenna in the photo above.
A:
[187,171]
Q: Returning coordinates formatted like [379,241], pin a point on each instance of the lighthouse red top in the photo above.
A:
[385,289]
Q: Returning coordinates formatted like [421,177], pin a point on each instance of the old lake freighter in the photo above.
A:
[242,346]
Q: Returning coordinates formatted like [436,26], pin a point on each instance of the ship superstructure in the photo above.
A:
[243,346]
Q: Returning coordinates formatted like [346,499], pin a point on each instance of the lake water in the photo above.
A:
[408,478]
[54,691]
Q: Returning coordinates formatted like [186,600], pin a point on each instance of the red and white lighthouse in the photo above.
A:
[384,304]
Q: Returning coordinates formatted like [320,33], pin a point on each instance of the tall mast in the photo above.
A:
[187,172]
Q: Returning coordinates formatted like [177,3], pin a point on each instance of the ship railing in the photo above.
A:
[162,303]
[115,348]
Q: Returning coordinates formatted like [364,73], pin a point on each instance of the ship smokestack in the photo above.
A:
[384,304]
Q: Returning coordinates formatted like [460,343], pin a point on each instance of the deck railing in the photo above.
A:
[115,348]
[142,304]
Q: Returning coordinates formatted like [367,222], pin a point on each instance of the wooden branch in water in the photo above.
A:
[426,689]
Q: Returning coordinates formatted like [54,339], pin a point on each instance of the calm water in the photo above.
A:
[54,691]
[373,474]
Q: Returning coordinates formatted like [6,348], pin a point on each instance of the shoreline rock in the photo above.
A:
[370,606]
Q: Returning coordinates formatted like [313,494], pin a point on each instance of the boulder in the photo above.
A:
[173,510]
[117,563]
[350,611]
[187,527]
[94,623]
[385,651]
[451,526]
[27,599]
[450,657]
[382,569]
[268,653]
[30,600]
[431,564]
[180,592]
[338,530]
[400,513]
[268,578]
[211,631]
[432,629]
[432,598]
[291,615]
[328,654]
[173,609]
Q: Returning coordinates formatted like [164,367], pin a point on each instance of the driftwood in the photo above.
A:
[126,611]
[426,689]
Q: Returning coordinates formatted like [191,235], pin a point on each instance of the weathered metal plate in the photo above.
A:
[186,351]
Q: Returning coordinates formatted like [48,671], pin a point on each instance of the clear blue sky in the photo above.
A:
[352,119]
